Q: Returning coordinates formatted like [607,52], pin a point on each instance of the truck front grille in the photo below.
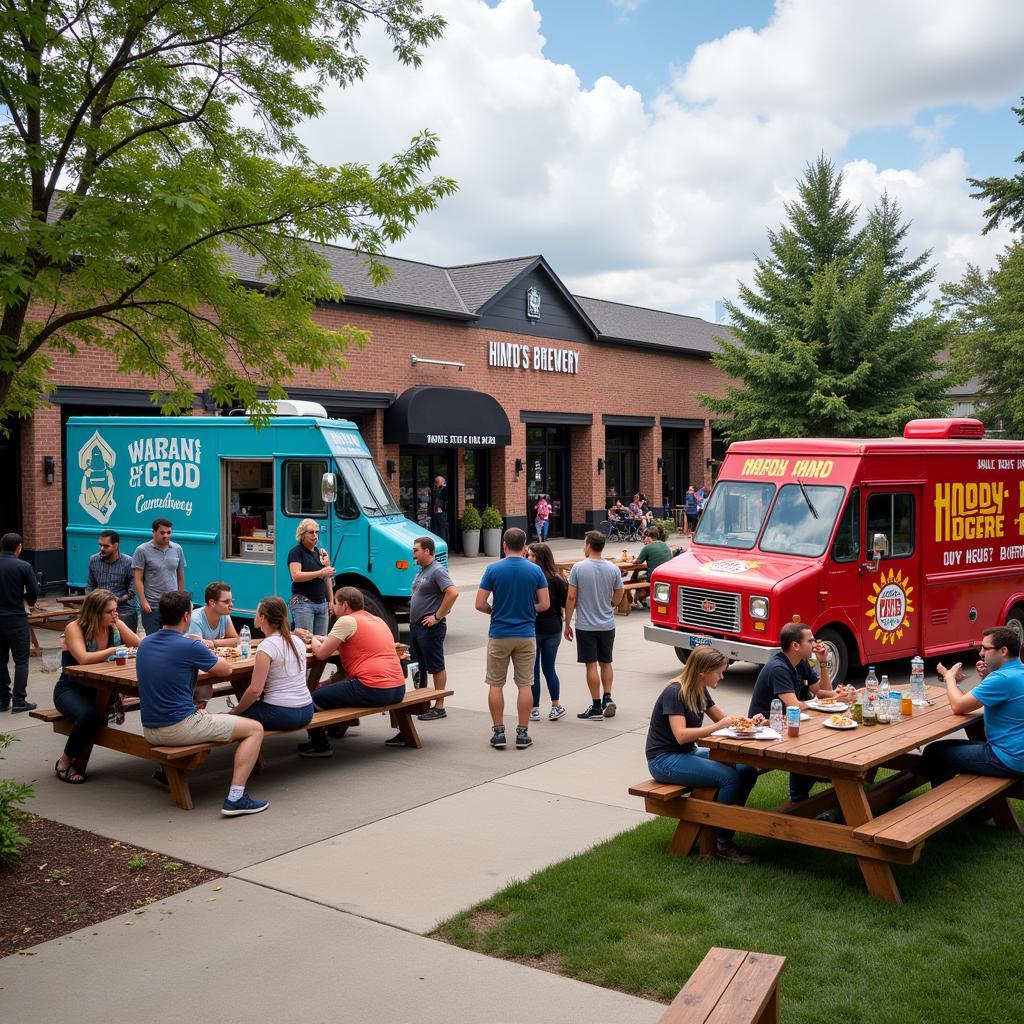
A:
[443,558]
[710,609]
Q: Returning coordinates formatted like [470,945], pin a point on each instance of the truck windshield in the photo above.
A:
[793,528]
[368,489]
[734,514]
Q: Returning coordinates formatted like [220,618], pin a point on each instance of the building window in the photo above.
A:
[622,464]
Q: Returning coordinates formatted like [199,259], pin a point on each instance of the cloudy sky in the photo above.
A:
[645,146]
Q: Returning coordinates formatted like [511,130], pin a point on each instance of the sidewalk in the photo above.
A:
[330,895]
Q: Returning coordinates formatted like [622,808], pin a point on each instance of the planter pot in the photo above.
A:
[492,543]
[471,543]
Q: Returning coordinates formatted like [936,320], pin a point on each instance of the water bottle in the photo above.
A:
[895,707]
[917,680]
[245,642]
[413,671]
[871,683]
[777,718]
[884,710]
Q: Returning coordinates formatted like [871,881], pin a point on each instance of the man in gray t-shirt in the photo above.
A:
[159,567]
[594,589]
[433,594]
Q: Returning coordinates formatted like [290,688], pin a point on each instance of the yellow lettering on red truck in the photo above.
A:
[970,511]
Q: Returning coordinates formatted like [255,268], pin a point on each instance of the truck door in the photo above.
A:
[300,479]
[891,598]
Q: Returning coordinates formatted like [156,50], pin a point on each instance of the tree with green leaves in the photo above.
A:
[987,312]
[144,144]
[832,340]
[1004,195]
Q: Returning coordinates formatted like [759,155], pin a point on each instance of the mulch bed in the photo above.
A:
[68,879]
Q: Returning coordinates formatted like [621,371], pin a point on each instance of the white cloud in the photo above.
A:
[666,203]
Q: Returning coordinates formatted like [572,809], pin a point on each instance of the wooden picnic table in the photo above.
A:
[72,600]
[46,616]
[850,760]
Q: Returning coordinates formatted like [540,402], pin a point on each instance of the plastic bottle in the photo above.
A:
[871,683]
[412,672]
[917,680]
[895,707]
[883,713]
[245,642]
[777,719]
[792,721]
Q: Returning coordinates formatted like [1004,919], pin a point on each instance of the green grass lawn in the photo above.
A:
[625,915]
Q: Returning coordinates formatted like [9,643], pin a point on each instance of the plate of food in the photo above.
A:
[830,704]
[839,722]
[230,652]
[744,729]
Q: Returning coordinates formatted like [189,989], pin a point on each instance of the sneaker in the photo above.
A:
[592,712]
[312,750]
[398,740]
[160,777]
[22,705]
[523,739]
[432,715]
[245,804]
[5,705]
[498,739]
[730,851]
[535,715]
[556,712]
[609,708]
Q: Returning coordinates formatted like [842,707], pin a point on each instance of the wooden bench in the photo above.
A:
[631,591]
[176,761]
[660,798]
[908,825]
[730,986]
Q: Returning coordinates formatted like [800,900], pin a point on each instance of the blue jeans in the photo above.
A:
[151,621]
[311,615]
[350,693]
[273,716]
[547,648]
[946,758]
[78,702]
[541,526]
[130,619]
[696,769]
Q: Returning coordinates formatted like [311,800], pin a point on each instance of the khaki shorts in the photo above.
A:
[520,650]
[198,728]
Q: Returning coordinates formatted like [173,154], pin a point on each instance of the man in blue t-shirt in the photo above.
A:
[167,667]
[512,592]
[1001,694]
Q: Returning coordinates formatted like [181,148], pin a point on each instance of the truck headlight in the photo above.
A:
[759,608]
[662,592]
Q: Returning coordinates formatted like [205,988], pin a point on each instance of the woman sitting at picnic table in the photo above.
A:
[88,640]
[277,697]
[677,722]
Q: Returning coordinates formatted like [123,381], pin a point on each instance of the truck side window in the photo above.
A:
[846,547]
[302,488]
[892,515]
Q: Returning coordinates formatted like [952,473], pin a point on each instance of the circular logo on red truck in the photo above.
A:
[890,608]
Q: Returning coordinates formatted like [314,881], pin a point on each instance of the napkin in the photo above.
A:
[763,733]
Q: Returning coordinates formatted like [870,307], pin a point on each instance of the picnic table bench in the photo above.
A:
[729,986]
[877,833]
[631,592]
[47,616]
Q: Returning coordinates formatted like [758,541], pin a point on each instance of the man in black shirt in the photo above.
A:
[439,509]
[17,586]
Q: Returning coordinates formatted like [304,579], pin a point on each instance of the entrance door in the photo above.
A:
[417,470]
[546,473]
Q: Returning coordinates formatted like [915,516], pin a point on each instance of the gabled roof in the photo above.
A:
[640,326]
[478,283]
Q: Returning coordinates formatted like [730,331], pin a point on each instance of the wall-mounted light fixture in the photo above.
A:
[391,469]
[661,462]
[710,463]
[600,464]
[416,360]
[48,469]
[519,467]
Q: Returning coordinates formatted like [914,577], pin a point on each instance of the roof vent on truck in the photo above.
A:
[291,407]
[960,428]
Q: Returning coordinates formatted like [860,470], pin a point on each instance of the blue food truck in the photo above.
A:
[236,495]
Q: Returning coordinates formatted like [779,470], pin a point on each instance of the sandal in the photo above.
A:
[69,774]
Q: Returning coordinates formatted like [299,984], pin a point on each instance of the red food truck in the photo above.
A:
[886,547]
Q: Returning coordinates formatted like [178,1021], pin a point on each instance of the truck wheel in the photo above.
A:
[375,606]
[838,656]
[1015,620]
[682,654]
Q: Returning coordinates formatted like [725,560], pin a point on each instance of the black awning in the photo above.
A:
[447,417]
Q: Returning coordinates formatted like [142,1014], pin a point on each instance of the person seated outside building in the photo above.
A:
[1000,695]
[277,696]
[212,624]
[677,722]
[637,513]
[167,666]
[372,673]
[90,639]
[655,552]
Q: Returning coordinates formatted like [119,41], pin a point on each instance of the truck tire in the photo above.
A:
[682,654]
[838,655]
[1015,620]
[375,606]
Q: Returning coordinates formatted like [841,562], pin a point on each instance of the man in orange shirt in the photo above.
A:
[372,673]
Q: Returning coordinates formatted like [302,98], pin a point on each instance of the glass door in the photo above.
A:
[546,473]
[417,470]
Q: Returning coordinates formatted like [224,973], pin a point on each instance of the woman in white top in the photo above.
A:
[277,696]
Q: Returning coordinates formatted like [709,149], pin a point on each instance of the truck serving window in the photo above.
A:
[893,515]
[369,492]
[802,519]
[734,514]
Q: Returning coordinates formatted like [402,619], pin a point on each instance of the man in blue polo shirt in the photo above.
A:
[519,590]
[1001,694]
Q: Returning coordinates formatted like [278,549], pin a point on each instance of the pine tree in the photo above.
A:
[1005,195]
[832,339]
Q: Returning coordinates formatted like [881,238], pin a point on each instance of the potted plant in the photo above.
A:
[491,524]
[470,523]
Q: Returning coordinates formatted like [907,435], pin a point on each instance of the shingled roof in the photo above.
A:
[619,322]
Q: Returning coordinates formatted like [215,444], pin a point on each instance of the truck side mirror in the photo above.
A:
[879,548]
[328,488]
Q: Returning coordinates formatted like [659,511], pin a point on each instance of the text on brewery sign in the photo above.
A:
[462,439]
[532,357]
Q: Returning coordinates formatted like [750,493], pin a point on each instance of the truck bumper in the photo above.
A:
[734,650]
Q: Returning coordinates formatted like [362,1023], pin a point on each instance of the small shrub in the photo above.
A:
[173,865]
[72,912]
[136,862]
[491,519]
[666,526]
[11,793]
[58,874]
[471,518]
